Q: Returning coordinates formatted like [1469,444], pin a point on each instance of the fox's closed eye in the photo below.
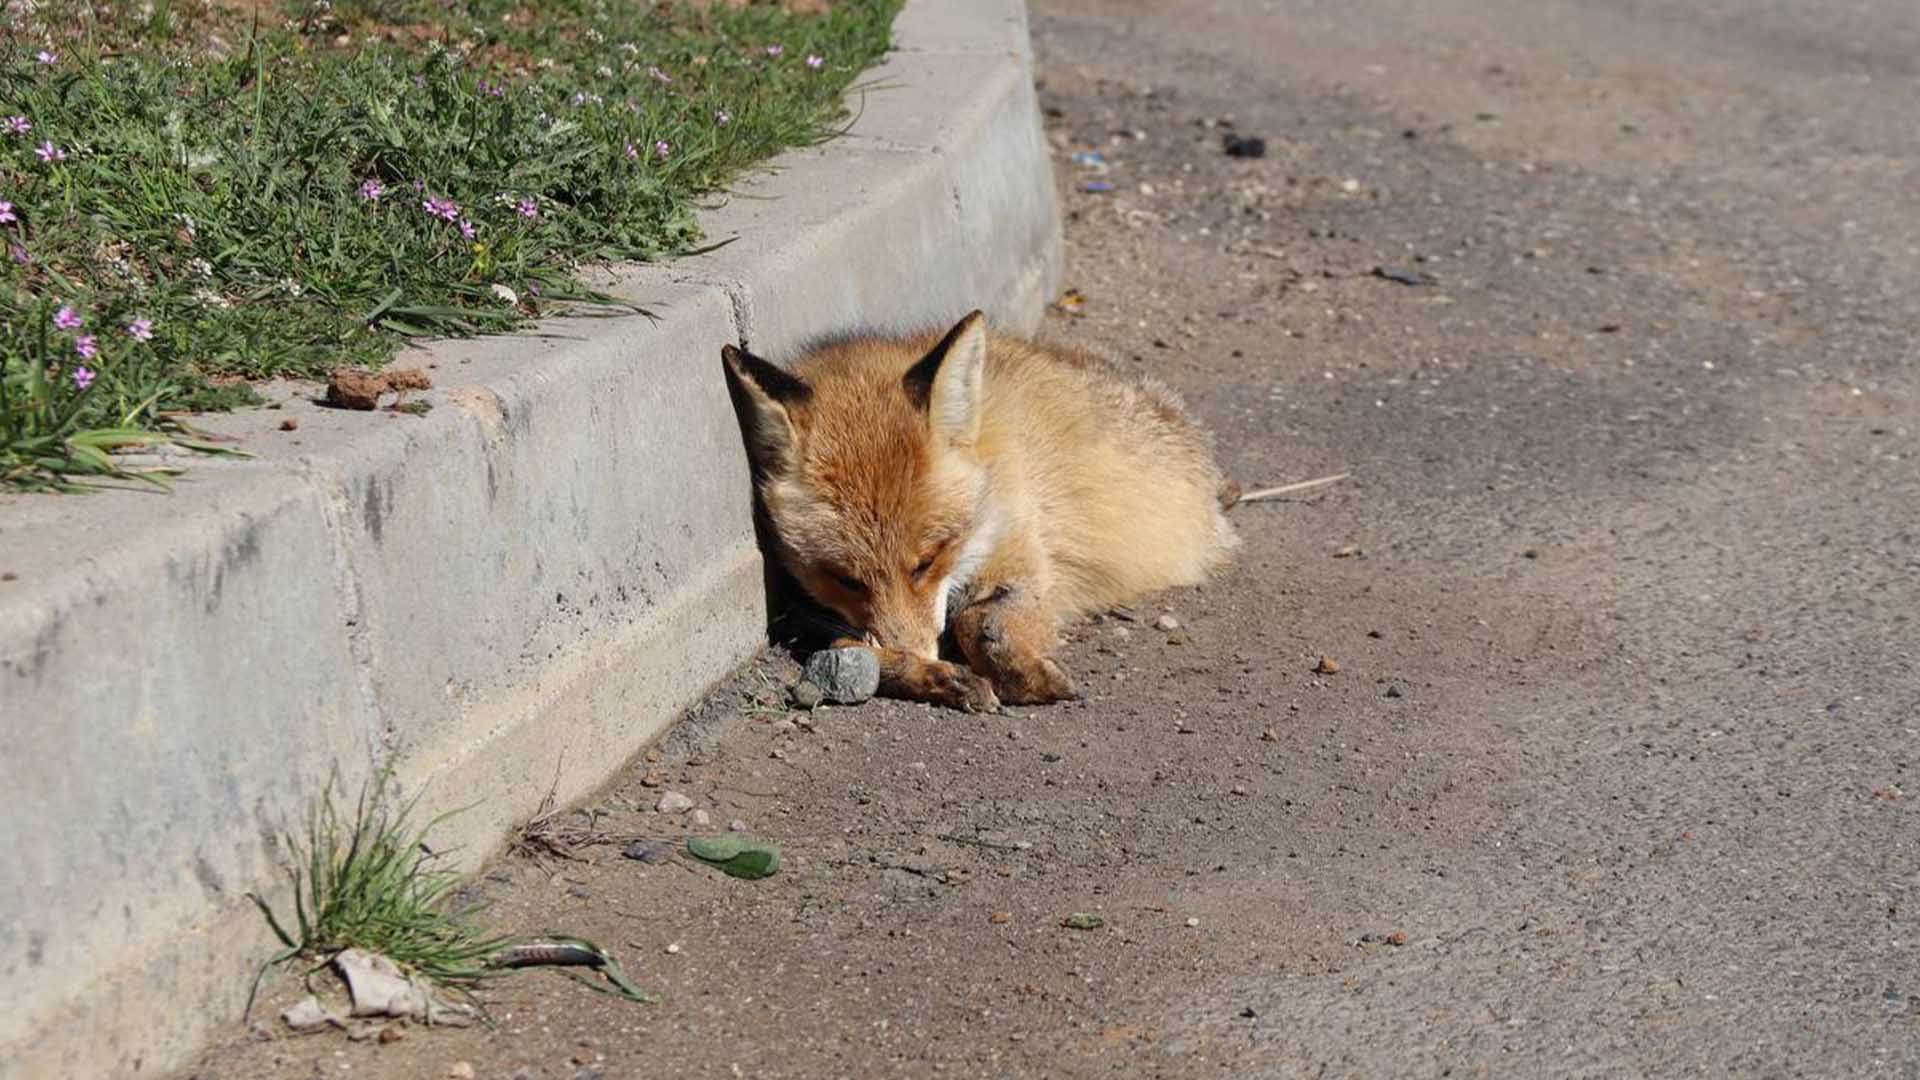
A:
[851,584]
[926,561]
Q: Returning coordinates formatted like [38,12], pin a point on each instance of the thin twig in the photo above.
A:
[1268,494]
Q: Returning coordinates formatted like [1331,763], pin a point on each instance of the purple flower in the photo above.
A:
[86,347]
[658,74]
[466,229]
[49,152]
[141,329]
[662,148]
[441,208]
[722,117]
[46,57]
[17,125]
[420,82]
[83,375]
[816,62]
[533,288]
[419,185]
[372,190]
[776,50]
[6,212]
[17,253]
[631,152]
[66,318]
[528,208]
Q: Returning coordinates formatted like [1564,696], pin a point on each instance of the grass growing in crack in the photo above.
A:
[369,881]
[218,191]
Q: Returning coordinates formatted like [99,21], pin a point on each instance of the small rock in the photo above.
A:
[1393,690]
[736,825]
[672,802]
[505,294]
[579,892]
[1193,923]
[1327,666]
[673,949]
[1269,735]
[1396,938]
[652,779]
[1248,1013]
[1237,146]
[1237,789]
[460,1070]
[700,818]
[1167,623]
[1000,918]
[289,424]
[1350,551]
[805,695]
[845,676]
[524,1072]
[392,1033]
[651,852]
[308,1014]
[777,754]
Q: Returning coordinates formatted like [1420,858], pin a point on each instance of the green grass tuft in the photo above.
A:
[369,881]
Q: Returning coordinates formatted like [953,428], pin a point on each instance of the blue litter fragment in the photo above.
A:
[1089,158]
[1097,185]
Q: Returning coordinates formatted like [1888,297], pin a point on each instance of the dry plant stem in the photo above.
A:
[1269,494]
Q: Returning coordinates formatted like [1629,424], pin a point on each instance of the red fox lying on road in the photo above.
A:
[981,484]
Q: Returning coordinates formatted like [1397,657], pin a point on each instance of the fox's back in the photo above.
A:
[1108,469]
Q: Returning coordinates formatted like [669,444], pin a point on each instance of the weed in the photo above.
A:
[370,881]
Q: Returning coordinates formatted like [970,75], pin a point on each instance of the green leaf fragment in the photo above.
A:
[1081,920]
[736,855]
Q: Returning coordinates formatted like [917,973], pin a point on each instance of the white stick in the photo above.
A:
[1267,494]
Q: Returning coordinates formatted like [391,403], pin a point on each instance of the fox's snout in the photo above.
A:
[906,627]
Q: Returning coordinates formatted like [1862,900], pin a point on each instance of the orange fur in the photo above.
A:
[984,482]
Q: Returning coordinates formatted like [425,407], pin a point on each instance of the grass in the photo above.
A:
[371,882]
[195,194]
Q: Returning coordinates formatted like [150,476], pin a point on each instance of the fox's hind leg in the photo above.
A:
[1008,635]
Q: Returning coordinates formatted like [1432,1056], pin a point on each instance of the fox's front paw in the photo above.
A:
[958,688]
[1037,682]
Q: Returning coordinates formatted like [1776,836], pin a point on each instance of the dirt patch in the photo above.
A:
[358,388]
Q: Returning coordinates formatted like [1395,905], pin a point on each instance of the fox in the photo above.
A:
[978,489]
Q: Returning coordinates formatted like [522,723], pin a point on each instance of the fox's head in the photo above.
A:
[867,463]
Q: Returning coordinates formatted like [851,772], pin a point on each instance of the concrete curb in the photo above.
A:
[513,593]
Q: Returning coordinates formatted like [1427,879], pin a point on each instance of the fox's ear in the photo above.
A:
[947,382]
[761,395]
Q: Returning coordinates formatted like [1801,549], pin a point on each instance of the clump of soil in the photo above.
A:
[358,388]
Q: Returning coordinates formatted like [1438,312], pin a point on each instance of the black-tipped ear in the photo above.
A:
[776,382]
[761,394]
[947,382]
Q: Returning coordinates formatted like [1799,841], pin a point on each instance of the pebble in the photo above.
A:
[736,825]
[1193,922]
[806,695]
[651,852]
[1167,623]
[672,802]
[460,1070]
[701,819]
[673,949]
[1327,666]
[845,676]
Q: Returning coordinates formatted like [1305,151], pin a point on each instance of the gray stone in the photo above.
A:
[806,695]
[672,802]
[845,676]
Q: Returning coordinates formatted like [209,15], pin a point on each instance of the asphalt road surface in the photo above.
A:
[1610,310]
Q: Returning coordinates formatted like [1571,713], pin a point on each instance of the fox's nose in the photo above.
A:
[871,639]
